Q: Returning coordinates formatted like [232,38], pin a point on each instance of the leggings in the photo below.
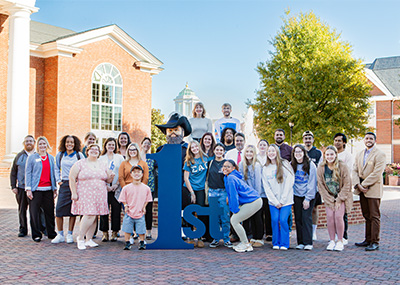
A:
[245,212]
[335,222]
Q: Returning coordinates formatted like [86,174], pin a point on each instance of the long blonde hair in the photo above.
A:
[139,155]
[279,164]
[336,170]
[189,159]
[246,163]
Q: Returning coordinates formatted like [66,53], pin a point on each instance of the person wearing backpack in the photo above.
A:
[69,153]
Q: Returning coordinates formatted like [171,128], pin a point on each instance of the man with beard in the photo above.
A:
[315,156]
[175,130]
[340,141]
[226,122]
[367,178]
[285,149]
[17,179]
[227,138]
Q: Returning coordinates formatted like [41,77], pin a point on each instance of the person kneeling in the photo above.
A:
[135,197]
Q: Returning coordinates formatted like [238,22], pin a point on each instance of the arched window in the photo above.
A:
[106,100]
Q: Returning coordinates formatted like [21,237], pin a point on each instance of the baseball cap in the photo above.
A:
[308,133]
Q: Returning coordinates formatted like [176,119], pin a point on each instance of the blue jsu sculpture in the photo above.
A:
[170,201]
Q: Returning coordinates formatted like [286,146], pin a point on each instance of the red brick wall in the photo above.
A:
[50,120]
[383,122]
[74,90]
[3,81]
[36,94]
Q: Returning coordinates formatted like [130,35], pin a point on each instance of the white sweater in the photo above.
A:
[278,193]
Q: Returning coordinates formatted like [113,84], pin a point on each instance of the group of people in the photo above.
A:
[255,186]
[93,182]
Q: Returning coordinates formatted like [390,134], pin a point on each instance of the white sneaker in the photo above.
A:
[81,244]
[283,248]
[91,243]
[243,247]
[131,240]
[331,245]
[300,246]
[59,238]
[70,238]
[339,246]
[345,242]
[308,247]
[275,247]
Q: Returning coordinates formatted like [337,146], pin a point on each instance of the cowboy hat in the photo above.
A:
[174,121]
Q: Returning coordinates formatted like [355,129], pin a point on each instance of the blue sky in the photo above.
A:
[216,45]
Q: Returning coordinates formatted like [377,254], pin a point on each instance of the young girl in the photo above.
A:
[243,200]
[334,185]
[266,215]
[195,172]
[305,184]
[216,190]
[250,168]
[278,180]
[113,160]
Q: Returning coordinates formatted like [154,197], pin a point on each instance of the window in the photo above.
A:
[106,99]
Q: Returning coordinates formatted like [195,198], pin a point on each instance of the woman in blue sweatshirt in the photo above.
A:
[243,200]
[304,189]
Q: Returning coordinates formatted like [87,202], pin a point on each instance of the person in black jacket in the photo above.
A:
[17,181]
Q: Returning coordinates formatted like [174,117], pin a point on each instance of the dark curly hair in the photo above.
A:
[77,143]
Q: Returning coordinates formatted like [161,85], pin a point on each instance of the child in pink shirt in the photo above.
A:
[135,197]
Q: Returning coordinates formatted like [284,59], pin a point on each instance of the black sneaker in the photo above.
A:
[127,245]
[268,238]
[142,245]
[37,239]
[149,237]
[21,234]
[136,236]
[214,243]
[228,244]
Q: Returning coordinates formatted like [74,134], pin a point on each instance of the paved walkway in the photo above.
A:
[24,261]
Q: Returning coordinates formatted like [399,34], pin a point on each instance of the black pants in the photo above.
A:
[44,200]
[346,226]
[266,215]
[22,201]
[149,216]
[303,219]
[115,211]
[257,225]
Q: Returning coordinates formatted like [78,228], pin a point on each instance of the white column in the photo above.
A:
[18,78]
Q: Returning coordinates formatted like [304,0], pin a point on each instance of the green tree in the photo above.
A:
[157,137]
[313,81]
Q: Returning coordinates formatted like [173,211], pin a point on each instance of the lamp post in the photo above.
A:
[291,125]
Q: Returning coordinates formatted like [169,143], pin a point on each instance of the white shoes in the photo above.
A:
[70,238]
[331,245]
[91,243]
[308,247]
[300,246]
[345,241]
[283,248]
[275,247]
[59,238]
[131,240]
[339,246]
[243,247]
[80,244]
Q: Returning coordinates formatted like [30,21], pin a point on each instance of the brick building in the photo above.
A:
[384,74]
[55,81]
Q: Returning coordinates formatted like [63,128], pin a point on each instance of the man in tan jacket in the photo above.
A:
[367,178]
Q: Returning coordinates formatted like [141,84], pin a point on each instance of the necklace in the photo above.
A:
[43,159]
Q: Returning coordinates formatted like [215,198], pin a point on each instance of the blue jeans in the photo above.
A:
[280,226]
[224,220]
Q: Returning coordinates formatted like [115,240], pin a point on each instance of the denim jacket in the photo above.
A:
[33,171]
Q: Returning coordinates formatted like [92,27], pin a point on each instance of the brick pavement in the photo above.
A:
[24,261]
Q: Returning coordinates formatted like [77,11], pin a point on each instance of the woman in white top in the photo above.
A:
[278,180]
[200,124]
[113,160]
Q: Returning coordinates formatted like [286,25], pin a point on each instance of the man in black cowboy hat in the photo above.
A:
[175,130]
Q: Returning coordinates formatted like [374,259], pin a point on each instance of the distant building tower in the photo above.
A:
[185,101]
